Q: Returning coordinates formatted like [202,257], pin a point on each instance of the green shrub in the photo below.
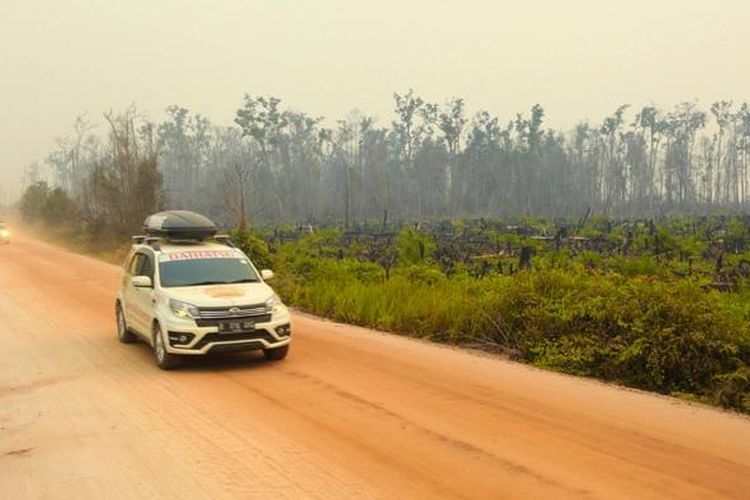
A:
[254,247]
[413,247]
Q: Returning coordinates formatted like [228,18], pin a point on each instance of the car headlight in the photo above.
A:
[273,303]
[183,309]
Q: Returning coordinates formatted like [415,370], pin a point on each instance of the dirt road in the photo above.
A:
[350,414]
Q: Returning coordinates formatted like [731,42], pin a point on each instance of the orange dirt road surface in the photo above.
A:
[351,413]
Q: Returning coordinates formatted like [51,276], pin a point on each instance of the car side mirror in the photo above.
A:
[267,274]
[142,282]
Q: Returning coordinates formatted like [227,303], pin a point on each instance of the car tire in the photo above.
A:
[164,360]
[123,333]
[276,354]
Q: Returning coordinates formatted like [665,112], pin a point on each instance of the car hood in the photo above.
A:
[222,295]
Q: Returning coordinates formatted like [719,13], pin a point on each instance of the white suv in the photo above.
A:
[4,233]
[193,294]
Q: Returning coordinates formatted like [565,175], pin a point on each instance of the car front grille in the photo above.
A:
[237,312]
[233,337]
[222,322]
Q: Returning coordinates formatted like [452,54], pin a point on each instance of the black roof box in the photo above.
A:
[180,225]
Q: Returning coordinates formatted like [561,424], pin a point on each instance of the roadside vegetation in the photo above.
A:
[51,215]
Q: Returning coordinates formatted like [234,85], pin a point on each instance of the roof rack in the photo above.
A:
[154,243]
[225,239]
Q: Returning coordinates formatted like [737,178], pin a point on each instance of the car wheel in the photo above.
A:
[164,360]
[123,333]
[276,354]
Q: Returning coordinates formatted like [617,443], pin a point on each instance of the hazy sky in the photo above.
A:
[579,58]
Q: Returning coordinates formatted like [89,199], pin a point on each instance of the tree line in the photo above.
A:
[276,165]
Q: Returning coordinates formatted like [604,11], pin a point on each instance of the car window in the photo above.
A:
[134,264]
[128,261]
[145,266]
[196,272]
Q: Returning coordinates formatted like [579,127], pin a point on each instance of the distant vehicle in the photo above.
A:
[186,291]
[4,233]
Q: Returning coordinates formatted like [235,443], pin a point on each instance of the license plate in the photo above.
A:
[237,326]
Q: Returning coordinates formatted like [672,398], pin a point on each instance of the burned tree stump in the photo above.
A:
[524,262]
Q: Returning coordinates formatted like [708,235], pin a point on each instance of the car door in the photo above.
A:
[129,292]
[139,300]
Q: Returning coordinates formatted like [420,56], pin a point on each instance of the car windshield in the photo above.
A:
[196,272]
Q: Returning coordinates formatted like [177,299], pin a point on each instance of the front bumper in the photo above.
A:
[186,337]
